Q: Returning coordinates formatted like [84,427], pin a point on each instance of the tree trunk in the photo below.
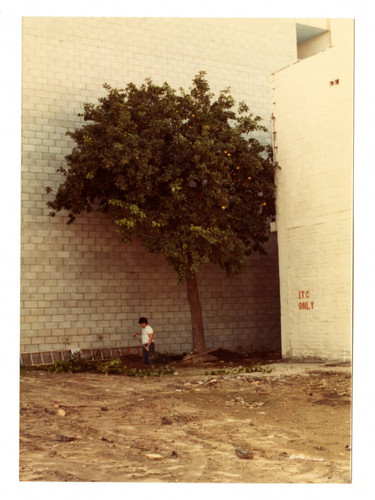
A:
[199,343]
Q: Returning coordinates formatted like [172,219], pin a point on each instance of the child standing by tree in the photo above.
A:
[148,346]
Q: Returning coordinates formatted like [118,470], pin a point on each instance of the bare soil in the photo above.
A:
[292,425]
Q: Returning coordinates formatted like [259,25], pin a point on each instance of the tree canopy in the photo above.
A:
[182,171]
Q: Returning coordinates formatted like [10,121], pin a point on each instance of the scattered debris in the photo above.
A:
[202,355]
[197,438]
[242,453]
[241,402]
[304,457]
[65,439]
[153,456]
[210,382]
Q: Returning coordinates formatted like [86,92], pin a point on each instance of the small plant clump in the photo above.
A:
[256,367]
[76,364]
[112,367]
[116,367]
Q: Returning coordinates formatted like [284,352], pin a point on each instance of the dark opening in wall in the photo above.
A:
[311,40]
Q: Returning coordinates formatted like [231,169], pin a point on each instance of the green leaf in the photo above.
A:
[181,170]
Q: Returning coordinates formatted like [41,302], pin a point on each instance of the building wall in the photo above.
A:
[313,46]
[313,110]
[80,286]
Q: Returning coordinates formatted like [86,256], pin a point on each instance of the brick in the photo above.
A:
[308,233]
[101,261]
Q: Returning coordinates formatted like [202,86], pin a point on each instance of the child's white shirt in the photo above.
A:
[145,334]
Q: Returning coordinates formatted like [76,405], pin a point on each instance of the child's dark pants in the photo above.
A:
[147,355]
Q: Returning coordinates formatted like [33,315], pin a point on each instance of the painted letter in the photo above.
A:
[312,304]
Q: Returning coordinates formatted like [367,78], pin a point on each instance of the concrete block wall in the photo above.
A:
[313,109]
[80,286]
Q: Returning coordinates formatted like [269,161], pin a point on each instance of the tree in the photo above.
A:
[181,171]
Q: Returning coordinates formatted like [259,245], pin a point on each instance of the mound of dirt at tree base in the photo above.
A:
[254,357]
[136,361]
[220,357]
[132,360]
[214,356]
[225,355]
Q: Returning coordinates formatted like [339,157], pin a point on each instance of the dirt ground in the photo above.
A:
[292,425]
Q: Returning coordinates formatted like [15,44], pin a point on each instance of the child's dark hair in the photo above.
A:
[142,320]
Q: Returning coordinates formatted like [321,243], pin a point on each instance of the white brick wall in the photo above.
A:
[79,285]
[314,139]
